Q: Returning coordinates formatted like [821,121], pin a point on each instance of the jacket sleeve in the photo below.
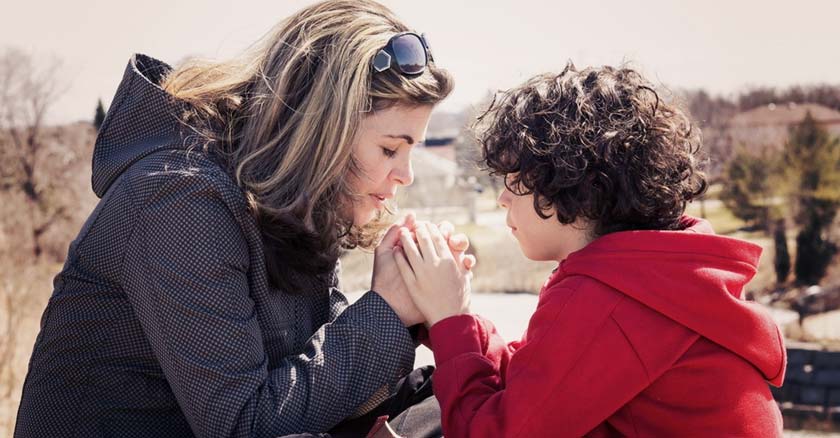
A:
[563,381]
[185,274]
[493,347]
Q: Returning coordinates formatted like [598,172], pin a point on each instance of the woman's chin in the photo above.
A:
[362,218]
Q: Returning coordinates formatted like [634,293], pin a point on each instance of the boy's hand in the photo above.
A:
[437,282]
[458,243]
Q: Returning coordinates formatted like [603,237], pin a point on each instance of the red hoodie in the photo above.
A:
[640,333]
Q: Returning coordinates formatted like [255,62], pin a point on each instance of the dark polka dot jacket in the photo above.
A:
[162,322]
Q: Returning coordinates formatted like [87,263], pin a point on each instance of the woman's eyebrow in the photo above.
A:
[405,137]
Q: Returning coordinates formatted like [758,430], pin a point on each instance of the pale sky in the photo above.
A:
[719,45]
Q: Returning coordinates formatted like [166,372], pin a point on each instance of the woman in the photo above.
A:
[199,298]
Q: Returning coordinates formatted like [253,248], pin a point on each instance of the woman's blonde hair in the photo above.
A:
[284,116]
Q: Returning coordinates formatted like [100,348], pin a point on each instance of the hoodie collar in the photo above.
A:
[142,119]
[693,277]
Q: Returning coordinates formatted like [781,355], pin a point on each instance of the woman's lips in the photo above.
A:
[379,200]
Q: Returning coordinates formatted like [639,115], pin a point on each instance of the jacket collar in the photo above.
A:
[142,119]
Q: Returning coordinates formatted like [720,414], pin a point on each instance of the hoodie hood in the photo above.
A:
[142,119]
[693,277]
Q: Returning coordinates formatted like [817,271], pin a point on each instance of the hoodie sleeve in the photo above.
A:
[562,381]
[185,274]
[486,340]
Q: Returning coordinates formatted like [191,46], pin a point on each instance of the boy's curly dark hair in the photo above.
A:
[598,144]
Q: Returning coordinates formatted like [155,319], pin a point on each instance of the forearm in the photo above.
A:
[475,334]
[354,362]
[560,368]
[362,353]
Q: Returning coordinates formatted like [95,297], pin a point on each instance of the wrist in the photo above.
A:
[455,336]
[432,320]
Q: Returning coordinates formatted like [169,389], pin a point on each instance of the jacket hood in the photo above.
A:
[142,119]
[693,277]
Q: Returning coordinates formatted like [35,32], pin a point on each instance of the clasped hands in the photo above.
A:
[422,271]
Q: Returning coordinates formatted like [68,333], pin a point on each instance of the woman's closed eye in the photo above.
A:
[389,152]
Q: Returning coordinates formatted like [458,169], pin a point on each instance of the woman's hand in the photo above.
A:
[387,281]
[438,283]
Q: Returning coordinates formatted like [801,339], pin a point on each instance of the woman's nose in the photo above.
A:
[403,174]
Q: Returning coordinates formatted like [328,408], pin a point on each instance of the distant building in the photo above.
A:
[435,179]
[769,126]
[440,141]
[443,147]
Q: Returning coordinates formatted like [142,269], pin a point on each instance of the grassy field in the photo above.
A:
[723,221]
[24,293]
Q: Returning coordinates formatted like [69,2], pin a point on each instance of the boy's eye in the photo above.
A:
[388,152]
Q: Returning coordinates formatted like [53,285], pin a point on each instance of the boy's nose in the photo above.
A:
[504,198]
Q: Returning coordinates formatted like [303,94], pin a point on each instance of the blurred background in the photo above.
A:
[760,78]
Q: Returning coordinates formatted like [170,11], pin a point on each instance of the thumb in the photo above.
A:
[410,220]
[469,262]
[459,242]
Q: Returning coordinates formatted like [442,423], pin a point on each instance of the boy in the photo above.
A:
[642,329]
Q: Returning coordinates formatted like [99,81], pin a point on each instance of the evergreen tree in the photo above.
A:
[781,259]
[750,189]
[813,160]
[99,117]
[813,254]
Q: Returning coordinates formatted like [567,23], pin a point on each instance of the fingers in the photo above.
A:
[424,241]
[406,272]
[446,228]
[410,221]
[409,248]
[390,239]
[459,242]
[439,242]
[469,262]
[427,242]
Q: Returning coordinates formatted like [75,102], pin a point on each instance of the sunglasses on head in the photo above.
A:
[406,52]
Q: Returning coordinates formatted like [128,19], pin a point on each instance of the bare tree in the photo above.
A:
[27,91]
